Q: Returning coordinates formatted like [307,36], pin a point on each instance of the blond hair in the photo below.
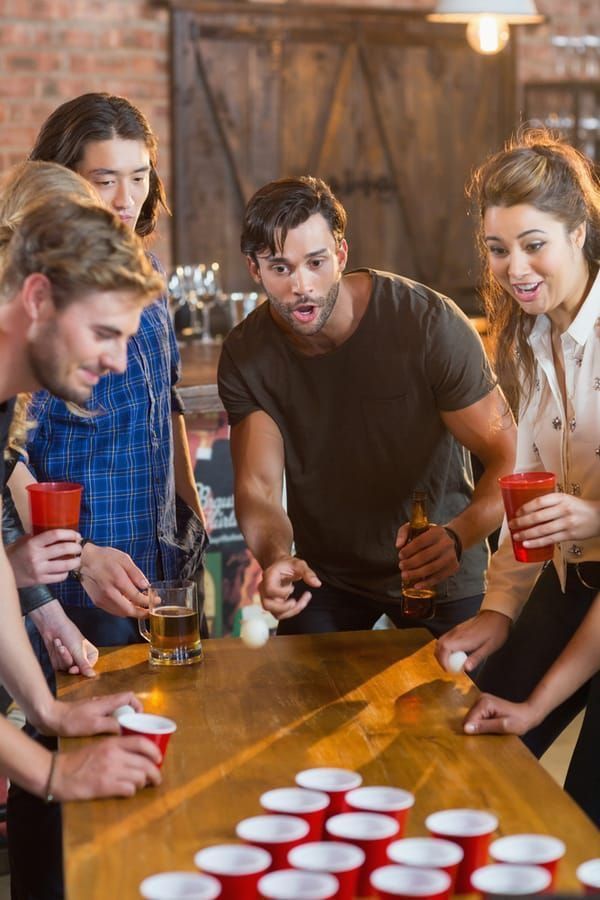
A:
[51,221]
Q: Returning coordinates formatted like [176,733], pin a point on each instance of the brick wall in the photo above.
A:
[51,50]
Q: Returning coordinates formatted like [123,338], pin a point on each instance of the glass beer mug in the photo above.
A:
[173,625]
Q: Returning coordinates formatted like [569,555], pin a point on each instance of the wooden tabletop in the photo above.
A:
[248,720]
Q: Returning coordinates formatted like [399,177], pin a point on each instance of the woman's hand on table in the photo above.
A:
[556,517]
[113,582]
[37,559]
[493,715]
[68,649]
[115,767]
[477,637]
[277,585]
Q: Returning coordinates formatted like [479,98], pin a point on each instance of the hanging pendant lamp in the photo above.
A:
[487,20]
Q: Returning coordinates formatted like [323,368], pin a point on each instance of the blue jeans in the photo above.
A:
[548,621]
[332,609]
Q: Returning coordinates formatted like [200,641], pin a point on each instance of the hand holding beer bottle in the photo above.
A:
[418,603]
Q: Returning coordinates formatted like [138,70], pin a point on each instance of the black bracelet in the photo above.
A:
[458,547]
[48,795]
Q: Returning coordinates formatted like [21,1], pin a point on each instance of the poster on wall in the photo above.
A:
[231,573]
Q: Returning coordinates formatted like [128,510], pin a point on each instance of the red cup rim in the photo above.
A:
[342,780]
[147,723]
[360,797]
[62,487]
[536,849]
[297,829]
[433,881]
[152,885]
[588,873]
[376,826]
[454,852]
[350,857]
[314,801]
[209,859]
[538,879]
[526,479]
[438,822]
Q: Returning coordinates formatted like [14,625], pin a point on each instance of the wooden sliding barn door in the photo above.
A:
[391,110]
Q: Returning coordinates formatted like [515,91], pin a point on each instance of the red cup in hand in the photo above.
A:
[157,729]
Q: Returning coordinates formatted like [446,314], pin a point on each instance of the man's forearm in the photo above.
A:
[486,510]
[266,528]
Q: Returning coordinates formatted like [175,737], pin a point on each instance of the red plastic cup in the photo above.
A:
[307,805]
[157,729]
[176,885]
[472,830]
[530,850]
[275,833]
[588,874]
[54,504]
[427,853]
[237,868]
[334,782]
[391,801]
[505,880]
[517,490]
[372,832]
[392,882]
[334,857]
[293,884]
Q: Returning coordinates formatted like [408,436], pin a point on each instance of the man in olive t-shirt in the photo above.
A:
[361,388]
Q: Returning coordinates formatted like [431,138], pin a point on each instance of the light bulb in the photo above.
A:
[487,34]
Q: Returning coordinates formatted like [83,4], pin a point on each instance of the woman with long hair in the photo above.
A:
[539,205]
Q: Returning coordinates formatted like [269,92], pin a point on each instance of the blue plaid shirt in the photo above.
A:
[123,455]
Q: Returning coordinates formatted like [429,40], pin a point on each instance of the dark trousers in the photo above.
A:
[544,628]
[332,609]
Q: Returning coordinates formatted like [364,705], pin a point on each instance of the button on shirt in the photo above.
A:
[555,439]
[122,454]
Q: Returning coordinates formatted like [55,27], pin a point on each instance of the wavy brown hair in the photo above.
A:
[537,169]
[100,116]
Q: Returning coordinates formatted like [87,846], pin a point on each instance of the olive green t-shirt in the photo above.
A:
[361,428]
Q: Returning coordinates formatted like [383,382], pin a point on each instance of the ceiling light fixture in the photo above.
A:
[487,20]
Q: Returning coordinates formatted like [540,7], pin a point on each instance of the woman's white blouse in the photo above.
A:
[555,439]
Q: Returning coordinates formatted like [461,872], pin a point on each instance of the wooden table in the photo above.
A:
[248,720]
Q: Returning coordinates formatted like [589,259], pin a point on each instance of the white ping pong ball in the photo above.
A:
[456,661]
[254,632]
[123,711]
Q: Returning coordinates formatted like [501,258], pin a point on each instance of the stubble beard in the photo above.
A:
[325,304]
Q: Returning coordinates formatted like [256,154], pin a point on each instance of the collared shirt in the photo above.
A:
[122,454]
[556,439]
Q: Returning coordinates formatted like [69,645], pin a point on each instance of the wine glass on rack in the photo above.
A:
[210,296]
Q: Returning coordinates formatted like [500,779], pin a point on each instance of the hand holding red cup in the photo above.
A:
[157,729]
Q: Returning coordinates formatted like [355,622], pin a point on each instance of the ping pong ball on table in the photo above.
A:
[456,661]
[254,632]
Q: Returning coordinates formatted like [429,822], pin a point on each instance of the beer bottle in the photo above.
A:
[418,603]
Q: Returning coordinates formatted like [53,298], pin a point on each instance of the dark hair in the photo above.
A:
[101,117]
[284,204]
[539,170]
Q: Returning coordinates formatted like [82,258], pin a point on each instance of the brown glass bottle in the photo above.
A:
[418,603]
